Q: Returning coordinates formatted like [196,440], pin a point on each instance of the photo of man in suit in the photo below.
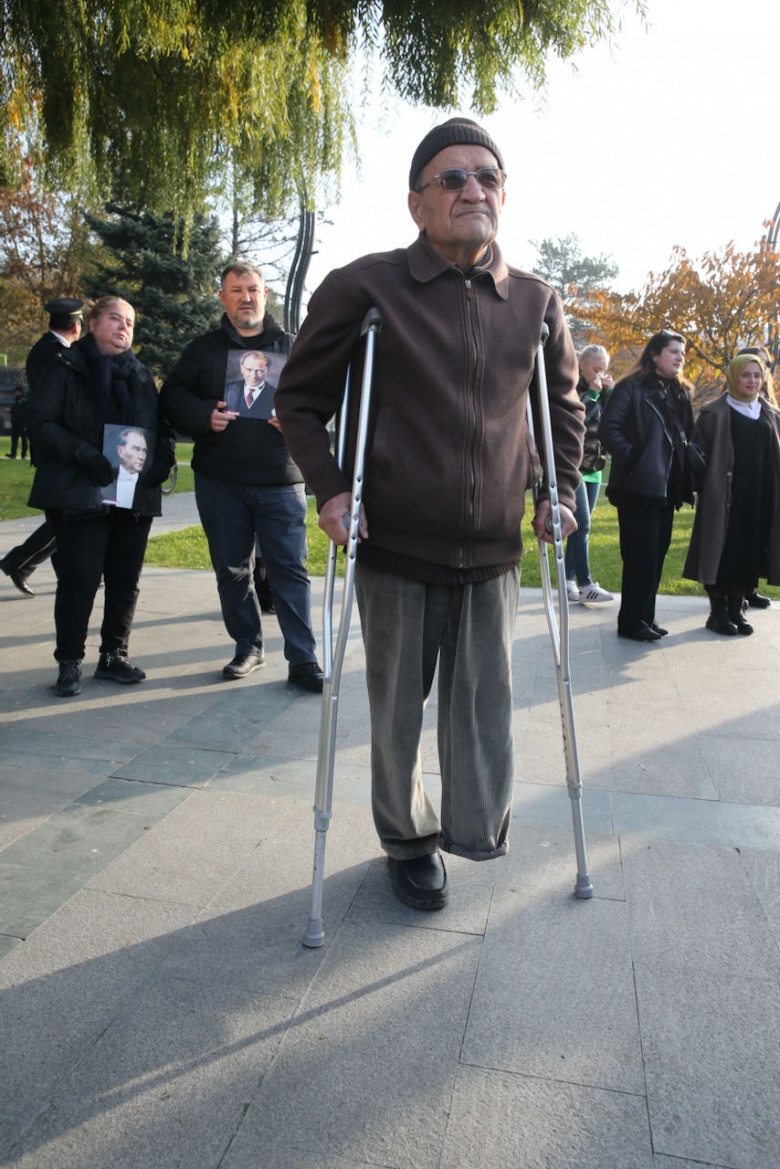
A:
[253,395]
[130,448]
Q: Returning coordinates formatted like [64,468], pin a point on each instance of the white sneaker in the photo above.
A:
[593,594]
[572,591]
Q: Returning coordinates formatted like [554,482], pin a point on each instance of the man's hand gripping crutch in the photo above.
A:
[548,529]
[343,520]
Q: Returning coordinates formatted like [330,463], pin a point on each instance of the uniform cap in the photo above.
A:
[65,306]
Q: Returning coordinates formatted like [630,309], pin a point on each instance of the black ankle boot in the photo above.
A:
[737,615]
[719,620]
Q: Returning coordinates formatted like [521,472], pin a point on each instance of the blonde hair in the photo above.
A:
[103,305]
[594,351]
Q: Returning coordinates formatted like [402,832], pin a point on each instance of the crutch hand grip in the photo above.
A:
[372,319]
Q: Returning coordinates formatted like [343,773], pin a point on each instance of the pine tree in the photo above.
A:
[170,278]
[574,277]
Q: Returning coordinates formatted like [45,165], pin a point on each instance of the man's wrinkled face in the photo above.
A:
[243,298]
[457,221]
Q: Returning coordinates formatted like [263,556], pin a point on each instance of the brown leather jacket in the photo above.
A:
[449,456]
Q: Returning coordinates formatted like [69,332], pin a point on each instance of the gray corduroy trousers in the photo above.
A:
[408,628]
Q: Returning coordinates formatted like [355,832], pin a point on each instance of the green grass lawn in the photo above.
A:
[188,549]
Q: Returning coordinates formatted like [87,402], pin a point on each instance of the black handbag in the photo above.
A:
[696,458]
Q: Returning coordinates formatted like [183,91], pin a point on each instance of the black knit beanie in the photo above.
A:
[452,133]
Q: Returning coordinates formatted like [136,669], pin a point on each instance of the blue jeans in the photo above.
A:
[234,517]
[576,562]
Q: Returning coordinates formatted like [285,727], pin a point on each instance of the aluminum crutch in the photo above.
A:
[560,641]
[334,660]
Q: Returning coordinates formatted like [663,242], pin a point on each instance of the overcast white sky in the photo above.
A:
[669,138]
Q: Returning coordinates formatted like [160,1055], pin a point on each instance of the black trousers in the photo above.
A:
[38,547]
[645,536]
[111,546]
[18,433]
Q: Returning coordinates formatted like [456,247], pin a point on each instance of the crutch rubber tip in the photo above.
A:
[315,935]
[583,888]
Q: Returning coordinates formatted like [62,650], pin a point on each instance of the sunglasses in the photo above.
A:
[490,178]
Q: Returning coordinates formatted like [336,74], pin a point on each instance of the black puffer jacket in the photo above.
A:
[68,408]
[249,451]
[646,426]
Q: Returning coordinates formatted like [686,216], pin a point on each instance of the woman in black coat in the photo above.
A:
[95,390]
[646,426]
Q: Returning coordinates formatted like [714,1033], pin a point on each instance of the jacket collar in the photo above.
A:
[74,357]
[426,265]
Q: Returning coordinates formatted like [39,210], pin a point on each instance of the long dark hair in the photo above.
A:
[644,369]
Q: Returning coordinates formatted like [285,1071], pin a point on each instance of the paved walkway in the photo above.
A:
[157,1010]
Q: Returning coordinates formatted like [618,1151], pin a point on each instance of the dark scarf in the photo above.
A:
[110,380]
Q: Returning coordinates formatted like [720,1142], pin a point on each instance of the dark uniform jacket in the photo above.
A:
[43,353]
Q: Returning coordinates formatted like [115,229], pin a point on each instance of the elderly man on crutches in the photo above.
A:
[448,461]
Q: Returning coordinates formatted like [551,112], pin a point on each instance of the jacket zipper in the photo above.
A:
[473,401]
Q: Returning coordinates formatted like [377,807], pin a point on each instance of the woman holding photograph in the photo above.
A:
[96,389]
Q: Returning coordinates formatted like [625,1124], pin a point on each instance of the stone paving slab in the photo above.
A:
[710,1044]
[163,1011]
[555,996]
[166,1087]
[382,1022]
[501,1119]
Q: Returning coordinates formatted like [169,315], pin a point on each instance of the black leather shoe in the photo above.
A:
[659,629]
[758,601]
[641,632]
[243,665]
[308,675]
[17,577]
[420,882]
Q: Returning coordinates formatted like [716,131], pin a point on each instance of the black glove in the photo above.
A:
[97,467]
[158,472]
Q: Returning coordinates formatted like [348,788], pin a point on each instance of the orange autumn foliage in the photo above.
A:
[721,302]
